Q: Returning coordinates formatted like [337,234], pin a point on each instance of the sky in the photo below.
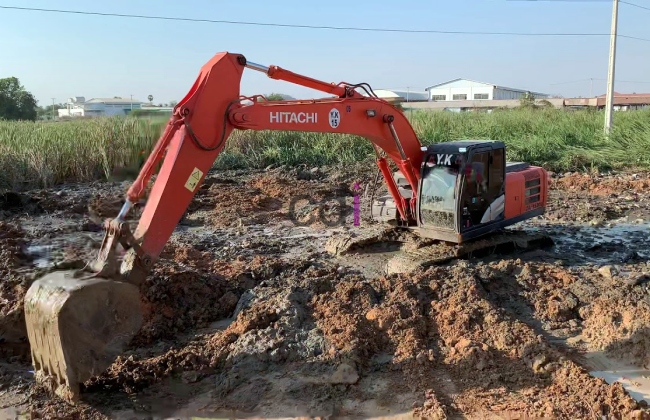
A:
[61,55]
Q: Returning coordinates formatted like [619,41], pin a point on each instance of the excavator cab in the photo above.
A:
[462,193]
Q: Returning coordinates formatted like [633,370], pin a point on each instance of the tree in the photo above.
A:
[16,103]
[150,97]
[173,103]
[527,100]
[45,112]
[275,97]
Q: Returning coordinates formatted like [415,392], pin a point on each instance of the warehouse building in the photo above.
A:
[401,95]
[471,90]
[96,107]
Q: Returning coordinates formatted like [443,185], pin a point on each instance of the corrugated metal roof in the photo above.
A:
[113,101]
[627,95]
[483,83]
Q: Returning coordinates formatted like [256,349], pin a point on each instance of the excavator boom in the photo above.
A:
[98,303]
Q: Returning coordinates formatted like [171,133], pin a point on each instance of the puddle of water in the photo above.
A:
[42,255]
[614,242]
[636,381]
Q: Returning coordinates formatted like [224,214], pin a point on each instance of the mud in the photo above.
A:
[14,282]
[252,311]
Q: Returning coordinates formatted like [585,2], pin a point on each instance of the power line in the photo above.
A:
[634,5]
[571,82]
[565,1]
[599,79]
[629,81]
[285,25]
[586,1]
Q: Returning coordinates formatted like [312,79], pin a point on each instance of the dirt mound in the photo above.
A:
[619,326]
[447,341]
[285,187]
[617,320]
[596,184]
[11,247]
[474,333]
[190,291]
[543,290]
[190,303]
[346,316]
[103,206]
[227,203]
[12,203]
[13,285]
[269,197]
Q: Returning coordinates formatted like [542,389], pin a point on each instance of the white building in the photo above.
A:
[471,90]
[400,95]
[79,107]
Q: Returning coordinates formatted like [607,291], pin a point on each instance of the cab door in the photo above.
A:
[482,197]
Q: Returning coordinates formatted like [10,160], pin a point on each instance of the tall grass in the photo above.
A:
[556,139]
[44,153]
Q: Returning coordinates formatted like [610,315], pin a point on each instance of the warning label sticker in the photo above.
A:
[194,179]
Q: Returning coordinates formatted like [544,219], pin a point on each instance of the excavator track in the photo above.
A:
[416,252]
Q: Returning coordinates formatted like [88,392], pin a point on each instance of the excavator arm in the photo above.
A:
[79,322]
[204,119]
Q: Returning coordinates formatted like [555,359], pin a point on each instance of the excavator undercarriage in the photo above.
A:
[412,251]
[457,197]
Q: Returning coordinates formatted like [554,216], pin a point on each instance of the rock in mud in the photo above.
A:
[344,374]
[635,279]
[607,271]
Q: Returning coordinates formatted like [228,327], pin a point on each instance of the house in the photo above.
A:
[79,107]
[625,101]
[471,90]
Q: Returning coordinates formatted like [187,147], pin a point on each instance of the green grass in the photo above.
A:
[556,139]
[43,154]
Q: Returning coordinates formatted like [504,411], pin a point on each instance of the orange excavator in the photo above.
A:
[78,322]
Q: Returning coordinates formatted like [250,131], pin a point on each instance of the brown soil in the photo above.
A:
[265,198]
[177,291]
[600,185]
[14,284]
[262,321]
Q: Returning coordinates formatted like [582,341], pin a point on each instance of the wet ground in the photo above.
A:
[248,314]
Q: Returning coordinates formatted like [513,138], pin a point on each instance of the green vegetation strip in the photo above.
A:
[43,154]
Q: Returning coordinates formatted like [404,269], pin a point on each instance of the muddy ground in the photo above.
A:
[247,314]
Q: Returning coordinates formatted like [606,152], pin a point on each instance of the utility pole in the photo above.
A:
[609,106]
[131,102]
[591,88]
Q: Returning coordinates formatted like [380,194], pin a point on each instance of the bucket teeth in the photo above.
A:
[77,327]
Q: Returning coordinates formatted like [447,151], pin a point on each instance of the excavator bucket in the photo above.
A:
[77,327]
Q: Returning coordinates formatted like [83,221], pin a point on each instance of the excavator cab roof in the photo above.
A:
[464,146]
[454,155]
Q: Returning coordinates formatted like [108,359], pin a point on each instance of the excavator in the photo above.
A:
[80,321]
